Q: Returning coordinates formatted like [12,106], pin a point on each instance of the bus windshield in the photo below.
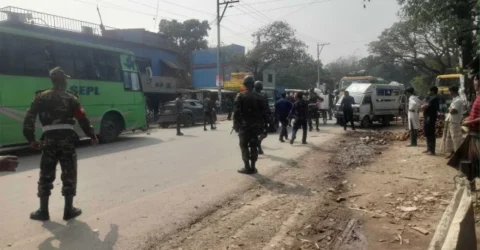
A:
[105,80]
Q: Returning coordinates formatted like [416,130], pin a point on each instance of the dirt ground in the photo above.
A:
[356,192]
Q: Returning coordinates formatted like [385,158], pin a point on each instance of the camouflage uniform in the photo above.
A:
[208,114]
[179,111]
[250,119]
[57,111]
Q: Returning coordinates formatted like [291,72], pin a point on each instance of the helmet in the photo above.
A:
[248,82]
[258,85]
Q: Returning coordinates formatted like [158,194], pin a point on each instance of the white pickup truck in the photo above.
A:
[373,102]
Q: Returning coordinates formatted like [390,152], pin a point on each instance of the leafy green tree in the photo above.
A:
[186,36]
[274,44]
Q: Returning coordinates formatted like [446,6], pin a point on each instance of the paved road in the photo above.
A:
[138,186]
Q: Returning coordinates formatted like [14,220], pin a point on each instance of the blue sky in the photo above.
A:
[343,23]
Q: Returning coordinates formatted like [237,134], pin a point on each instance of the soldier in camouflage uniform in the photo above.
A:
[208,113]
[249,121]
[258,88]
[57,109]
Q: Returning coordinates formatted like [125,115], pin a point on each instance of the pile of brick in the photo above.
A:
[405,135]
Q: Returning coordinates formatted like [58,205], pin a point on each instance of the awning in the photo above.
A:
[216,91]
[172,64]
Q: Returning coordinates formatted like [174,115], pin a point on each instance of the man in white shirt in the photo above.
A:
[413,117]
[452,132]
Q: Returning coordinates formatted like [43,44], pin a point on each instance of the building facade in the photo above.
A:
[205,65]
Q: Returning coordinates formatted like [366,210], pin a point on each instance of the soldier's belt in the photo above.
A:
[57,127]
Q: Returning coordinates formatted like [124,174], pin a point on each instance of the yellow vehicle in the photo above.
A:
[444,82]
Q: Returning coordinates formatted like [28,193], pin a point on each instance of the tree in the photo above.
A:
[187,36]
[274,44]
[302,74]
[343,66]
[429,47]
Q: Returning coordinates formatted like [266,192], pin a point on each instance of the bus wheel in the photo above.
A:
[110,128]
[365,123]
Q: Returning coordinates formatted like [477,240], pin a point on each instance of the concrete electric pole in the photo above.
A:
[219,79]
[319,50]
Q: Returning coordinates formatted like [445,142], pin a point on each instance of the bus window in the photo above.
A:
[64,58]
[14,55]
[107,66]
[131,81]
[83,58]
[34,56]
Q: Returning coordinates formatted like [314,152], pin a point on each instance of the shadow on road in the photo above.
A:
[77,235]
[31,159]
[280,187]
[288,162]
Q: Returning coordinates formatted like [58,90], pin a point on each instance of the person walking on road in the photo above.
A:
[452,132]
[229,106]
[208,113]
[331,104]
[313,100]
[179,111]
[430,115]
[8,163]
[347,108]
[300,113]
[249,121]
[413,117]
[258,88]
[56,109]
[282,110]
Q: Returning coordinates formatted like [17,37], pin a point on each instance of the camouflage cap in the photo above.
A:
[58,72]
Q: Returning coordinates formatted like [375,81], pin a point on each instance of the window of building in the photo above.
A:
[270,78]
[143,64]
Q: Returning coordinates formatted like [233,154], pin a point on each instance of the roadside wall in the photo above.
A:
[456,229]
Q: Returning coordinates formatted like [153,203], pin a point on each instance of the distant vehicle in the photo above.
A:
[105,79]
[346,81]
[444,82]
[373,102]
[192,113]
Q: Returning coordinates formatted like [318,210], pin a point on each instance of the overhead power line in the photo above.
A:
[290,6]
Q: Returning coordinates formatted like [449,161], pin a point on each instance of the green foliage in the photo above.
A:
[274,44]
[187,36]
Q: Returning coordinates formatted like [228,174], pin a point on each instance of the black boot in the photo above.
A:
[253,168]
[42,213]
[260,150]
[70,211]
[246,169]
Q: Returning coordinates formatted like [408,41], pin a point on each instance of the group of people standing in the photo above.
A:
[252,113]
[457,148]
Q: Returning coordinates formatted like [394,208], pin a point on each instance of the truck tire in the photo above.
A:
[110,128]
[365,122]
[385,121]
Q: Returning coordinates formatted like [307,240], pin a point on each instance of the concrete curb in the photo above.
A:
[456,229]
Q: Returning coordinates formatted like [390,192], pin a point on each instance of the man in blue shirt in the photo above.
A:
[282,110]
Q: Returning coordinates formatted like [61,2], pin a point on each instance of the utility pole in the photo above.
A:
[319,50]
[219,79]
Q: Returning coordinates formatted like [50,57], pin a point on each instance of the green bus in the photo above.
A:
[106,81]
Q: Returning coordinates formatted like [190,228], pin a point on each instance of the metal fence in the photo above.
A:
[14,14]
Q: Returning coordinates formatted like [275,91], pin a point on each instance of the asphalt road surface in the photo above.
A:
[141,185]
